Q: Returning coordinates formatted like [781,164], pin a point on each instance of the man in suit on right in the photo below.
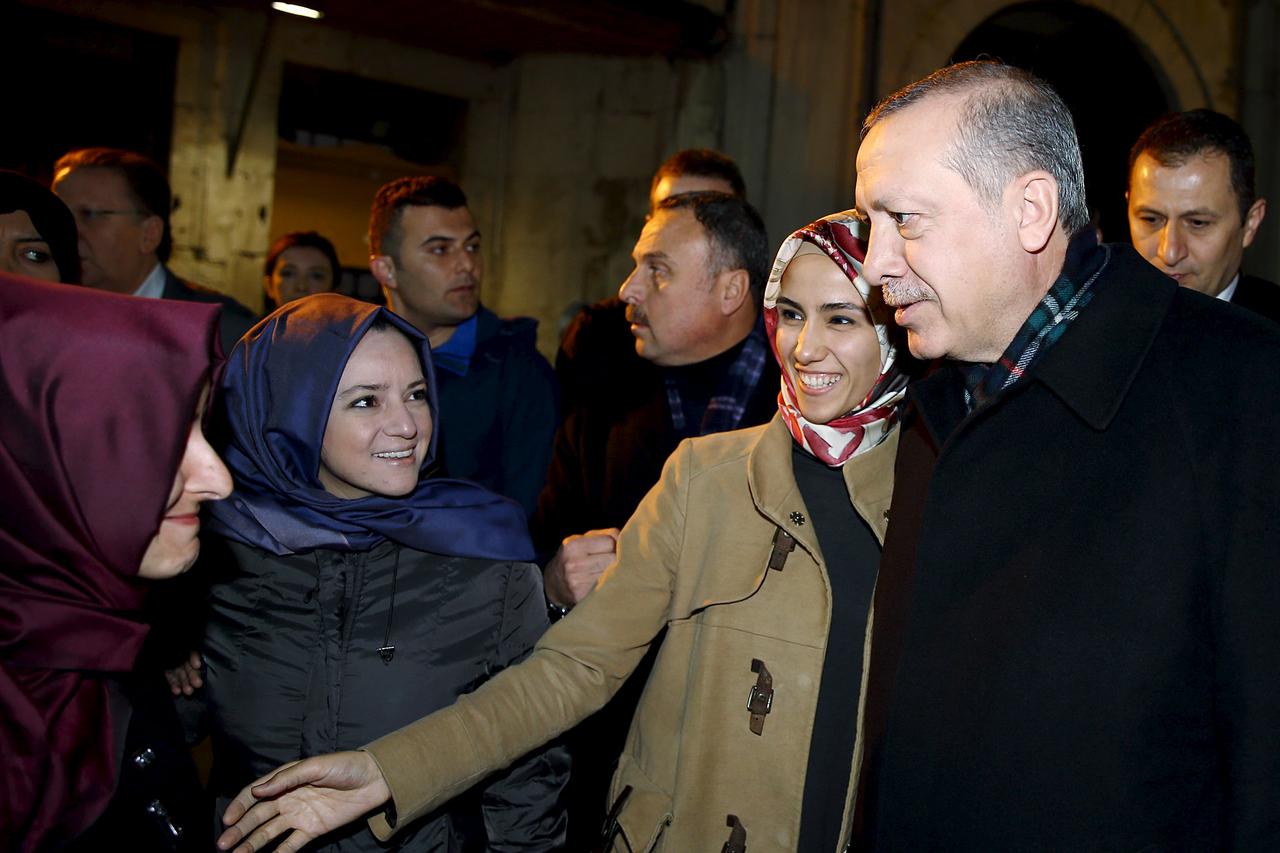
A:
[1193,209]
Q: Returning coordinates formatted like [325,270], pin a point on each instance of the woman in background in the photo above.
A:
[299,264]
[37,232]
[103,468]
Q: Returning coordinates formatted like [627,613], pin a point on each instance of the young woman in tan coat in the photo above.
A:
[758,551]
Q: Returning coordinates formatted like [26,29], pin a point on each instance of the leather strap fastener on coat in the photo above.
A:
[760,700]
[737,842]
[783,544]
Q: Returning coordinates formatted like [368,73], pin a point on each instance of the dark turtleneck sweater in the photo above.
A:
[696,384]
[851,554]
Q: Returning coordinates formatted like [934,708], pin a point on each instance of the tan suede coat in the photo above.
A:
[694,558]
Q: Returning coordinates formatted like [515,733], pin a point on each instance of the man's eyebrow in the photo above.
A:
[445,238]
[36,239]
[655,256]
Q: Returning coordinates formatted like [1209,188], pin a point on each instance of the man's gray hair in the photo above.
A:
[1010,123]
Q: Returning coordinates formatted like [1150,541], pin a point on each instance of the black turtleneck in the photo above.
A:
[697,383]
[852,556]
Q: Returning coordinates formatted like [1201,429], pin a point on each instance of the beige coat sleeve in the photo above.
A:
[576,667]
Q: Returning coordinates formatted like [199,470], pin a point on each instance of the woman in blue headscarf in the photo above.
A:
[359,591]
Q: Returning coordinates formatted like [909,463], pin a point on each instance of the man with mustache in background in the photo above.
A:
[498,409]
[693,302]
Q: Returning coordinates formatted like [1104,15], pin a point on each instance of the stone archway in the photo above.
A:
[1192,44]
[1117,65]
[1111,101]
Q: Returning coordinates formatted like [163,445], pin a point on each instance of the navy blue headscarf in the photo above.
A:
[279,385]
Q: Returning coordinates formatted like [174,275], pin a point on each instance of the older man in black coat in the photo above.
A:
[1075,644]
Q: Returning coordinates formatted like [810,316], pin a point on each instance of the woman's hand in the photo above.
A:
[185,679]
[309,797]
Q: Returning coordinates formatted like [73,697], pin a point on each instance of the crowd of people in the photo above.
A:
[953,528]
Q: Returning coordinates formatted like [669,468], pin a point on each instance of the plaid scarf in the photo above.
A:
[729,402]
[1069,294]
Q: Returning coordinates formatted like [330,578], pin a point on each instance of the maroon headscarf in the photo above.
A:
[97,393]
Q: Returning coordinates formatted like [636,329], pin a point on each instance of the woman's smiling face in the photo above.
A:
[379,426]
[825,338]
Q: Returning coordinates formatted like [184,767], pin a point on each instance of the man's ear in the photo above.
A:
[735,290]
[1037,209]
[383,268]
[1257,212]
[152,233]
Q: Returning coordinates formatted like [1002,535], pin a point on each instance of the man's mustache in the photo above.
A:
[898,293]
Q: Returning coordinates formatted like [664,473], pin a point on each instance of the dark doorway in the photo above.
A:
[1112,87]
[79,83]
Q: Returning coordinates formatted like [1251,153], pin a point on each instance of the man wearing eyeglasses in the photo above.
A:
[121,203]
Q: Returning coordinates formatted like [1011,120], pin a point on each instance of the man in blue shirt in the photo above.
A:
[498,407]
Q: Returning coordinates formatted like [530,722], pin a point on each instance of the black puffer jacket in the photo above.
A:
[293,669]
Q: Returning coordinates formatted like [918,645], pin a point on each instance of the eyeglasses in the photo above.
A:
[89,215]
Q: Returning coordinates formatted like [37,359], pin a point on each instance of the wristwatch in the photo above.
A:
[555,612]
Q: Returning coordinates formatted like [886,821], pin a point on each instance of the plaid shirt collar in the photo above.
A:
[1066,298]
[728,404]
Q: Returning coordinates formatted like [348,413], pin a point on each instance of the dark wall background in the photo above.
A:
[1111,87]
[75,82]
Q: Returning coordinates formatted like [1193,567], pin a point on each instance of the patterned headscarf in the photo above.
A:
[838,237]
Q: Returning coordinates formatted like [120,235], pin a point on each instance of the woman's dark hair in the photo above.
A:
[382,323]
[52,220]
[306,240]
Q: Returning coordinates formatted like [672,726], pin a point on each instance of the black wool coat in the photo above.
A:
[1258,295]
[1077,636]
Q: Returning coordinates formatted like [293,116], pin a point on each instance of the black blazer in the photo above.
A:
[1077,640]
[233,320]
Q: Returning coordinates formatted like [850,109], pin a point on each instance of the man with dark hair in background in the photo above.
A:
[1193,209]
[1075,641]
[693,307]
[597,351]
[696,170]
[497,393]
[121,202]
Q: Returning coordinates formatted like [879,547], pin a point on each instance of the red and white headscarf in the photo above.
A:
[839,237]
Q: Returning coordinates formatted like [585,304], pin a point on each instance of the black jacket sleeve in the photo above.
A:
[522,806]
